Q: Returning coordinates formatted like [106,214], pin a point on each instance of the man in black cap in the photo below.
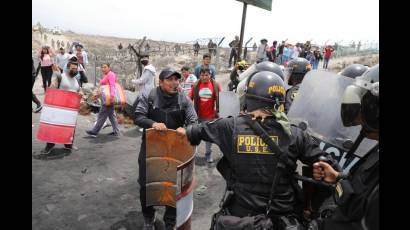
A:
[163,108]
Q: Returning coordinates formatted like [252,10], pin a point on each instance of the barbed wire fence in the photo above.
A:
[125,61]
[361,48]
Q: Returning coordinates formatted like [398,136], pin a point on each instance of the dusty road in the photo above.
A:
[96,186]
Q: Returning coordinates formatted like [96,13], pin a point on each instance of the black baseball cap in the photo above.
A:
[168,72]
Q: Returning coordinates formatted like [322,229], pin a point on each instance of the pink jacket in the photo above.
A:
[109,79]
[47,59]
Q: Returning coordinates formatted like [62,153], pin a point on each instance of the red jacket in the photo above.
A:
[328,52]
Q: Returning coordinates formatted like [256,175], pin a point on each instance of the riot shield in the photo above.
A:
[317,106]
[165,152]
[240,88]
[228,104]
[185,192]
[59,116]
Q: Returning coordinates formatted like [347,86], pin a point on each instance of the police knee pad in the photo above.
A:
[289,223]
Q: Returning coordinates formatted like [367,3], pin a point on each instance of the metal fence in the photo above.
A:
[125,63]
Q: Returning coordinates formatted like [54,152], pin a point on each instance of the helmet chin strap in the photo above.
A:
[356,143]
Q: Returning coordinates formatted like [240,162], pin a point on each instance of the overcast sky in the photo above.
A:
[187,20]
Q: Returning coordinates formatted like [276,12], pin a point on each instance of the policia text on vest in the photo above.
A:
[254,144]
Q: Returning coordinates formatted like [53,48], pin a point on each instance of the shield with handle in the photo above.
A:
[169,173]
[317,108]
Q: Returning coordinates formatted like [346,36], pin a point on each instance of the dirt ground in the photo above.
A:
[96,186]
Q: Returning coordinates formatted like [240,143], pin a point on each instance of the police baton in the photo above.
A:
[311,180]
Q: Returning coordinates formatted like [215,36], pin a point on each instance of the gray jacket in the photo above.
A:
[142,111]
[146,82]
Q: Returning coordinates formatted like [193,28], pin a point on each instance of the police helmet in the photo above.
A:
[265,90]
[354,70]
[296,70]
[360,102]
[271,67]
[242,65]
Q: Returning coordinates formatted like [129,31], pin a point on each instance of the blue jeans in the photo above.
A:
[315,64]
[325,62]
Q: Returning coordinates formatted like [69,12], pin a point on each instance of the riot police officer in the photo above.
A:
[253,69]
[272,67]
[354,70]
[248,164]
[358,190]
[296,70]
[164,108]
[239,68]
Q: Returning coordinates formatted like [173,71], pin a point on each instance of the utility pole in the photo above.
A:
[264,4]
[245,5]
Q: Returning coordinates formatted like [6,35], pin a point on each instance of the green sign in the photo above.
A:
[264,4]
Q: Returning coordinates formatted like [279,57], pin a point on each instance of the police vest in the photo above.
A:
[173,116]
[252,164]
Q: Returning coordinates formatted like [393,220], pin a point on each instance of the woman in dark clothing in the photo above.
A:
[46,55]
[34,98]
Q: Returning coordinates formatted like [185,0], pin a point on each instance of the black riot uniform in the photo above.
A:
[296,70]
[358,187]
[357,193]
[291,94]
[172,110]
[247,162]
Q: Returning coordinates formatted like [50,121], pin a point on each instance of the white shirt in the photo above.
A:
[62,59]
[296,51]
[188,83]
[261,53]
[69,83]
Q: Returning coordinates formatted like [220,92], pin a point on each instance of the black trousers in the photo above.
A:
[149,211]
[51,145]
[46,73]
[83,78]
[281,222]
[233,55]
[35,99]
[33,96]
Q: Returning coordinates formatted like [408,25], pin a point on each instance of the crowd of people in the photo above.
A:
[284,52]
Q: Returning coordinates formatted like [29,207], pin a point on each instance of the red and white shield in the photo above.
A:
[59,116]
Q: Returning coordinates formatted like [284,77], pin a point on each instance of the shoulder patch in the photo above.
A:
[339,189]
